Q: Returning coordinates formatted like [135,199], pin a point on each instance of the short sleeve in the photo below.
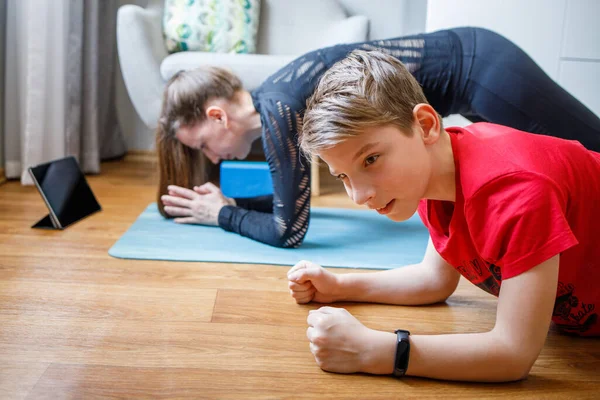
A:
[518,221]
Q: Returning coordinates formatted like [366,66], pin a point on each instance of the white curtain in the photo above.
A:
[59,84]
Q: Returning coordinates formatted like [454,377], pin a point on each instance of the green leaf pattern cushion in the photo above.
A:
[220,26]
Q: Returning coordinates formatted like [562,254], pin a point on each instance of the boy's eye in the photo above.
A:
[341,177]
[371,159]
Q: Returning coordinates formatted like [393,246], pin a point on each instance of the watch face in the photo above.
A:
[402,352]
[402,346]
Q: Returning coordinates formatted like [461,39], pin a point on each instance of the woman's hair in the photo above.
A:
[366,89]
[184,101]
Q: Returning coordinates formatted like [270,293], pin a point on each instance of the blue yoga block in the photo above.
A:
[245,179]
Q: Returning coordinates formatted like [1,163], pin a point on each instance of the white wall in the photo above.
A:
[562,36]
[535,25]
[137,135]
[579,67]
[415,16]
[390,18]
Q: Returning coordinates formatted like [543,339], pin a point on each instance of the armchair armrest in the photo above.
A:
[141,50]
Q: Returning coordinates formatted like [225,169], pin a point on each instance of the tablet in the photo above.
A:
[65,192]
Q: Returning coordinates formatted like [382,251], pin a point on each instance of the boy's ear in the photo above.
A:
[429,122]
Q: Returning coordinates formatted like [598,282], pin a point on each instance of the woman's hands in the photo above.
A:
[198,206]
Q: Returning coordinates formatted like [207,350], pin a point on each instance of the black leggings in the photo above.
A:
[490,79]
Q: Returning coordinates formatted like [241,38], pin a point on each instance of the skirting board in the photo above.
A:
[141,155]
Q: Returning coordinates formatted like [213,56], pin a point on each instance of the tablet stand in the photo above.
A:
[44,223]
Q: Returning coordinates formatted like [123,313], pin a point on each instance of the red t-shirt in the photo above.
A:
[521,199]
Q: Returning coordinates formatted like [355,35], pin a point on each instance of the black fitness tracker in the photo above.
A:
[402,353]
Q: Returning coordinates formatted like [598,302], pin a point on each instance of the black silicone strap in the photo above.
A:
[402,352]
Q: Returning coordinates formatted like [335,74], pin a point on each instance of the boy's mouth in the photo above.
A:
[388,207]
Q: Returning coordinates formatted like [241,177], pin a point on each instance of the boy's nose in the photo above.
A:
[362,195]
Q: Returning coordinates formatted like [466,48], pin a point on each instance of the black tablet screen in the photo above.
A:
[66,190]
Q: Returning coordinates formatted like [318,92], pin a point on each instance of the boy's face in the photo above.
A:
[384,169]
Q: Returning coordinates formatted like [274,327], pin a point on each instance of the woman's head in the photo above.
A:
[196,121]
[200,110]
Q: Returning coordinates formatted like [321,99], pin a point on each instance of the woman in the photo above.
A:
[469,71]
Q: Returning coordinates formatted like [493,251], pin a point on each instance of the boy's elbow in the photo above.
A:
[517,371]
[518,363]
[444,290]
[506,368]
[524,374]
[525,366]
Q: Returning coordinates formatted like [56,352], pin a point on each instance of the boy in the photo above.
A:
[517,214]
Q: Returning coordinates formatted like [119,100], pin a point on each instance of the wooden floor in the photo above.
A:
[76,323]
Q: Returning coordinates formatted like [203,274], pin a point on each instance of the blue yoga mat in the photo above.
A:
[336,238]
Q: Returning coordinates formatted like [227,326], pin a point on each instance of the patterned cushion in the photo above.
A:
[220,26]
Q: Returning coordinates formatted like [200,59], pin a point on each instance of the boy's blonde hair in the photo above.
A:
[366,89]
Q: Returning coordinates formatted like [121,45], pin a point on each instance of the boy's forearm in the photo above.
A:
[477,357]
[409,285]
[481,357]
